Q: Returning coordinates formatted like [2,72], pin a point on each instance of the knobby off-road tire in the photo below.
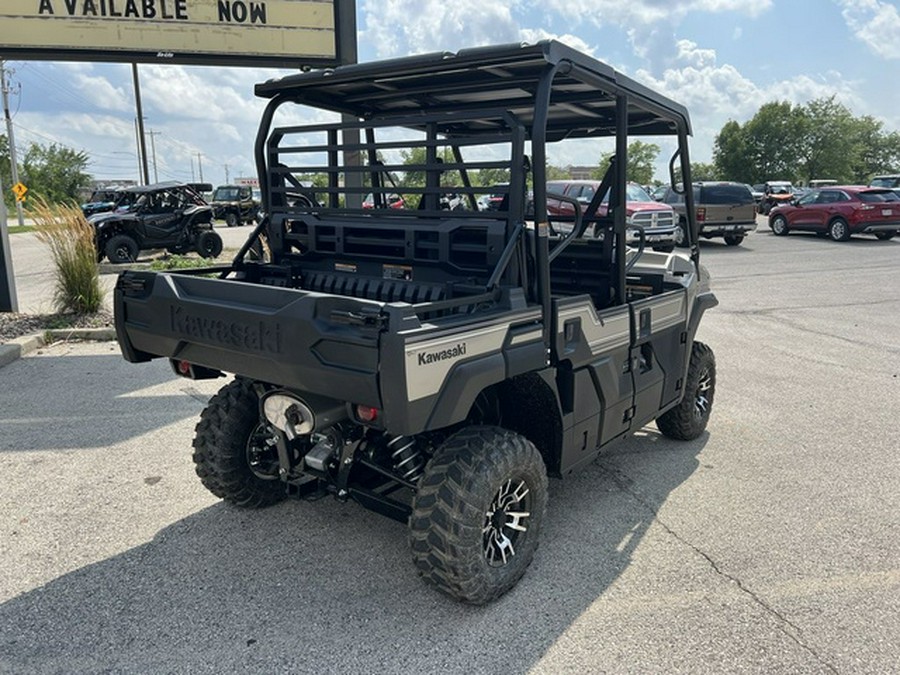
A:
[228,437]
[478,513]
[120,248]
[688,419]
[209,244]
[232,219]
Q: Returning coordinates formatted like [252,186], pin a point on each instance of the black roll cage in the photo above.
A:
[539,93]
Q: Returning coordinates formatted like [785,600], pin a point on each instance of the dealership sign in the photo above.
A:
[283,33]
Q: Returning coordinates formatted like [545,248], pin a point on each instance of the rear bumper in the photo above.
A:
[881,227]
[720,230]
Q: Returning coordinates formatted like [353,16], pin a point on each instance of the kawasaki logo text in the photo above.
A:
[255,336]
[442,354]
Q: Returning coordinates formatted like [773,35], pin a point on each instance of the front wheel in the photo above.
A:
[231,219]
[780,226]
[885,236]
[234,452]
[681,238]
[838,230]
[121,248]
[209,244]
[688,419]
[734,239]
[478,512]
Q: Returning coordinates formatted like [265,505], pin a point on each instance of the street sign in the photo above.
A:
[20,191]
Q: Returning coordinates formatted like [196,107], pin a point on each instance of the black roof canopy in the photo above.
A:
[488,81]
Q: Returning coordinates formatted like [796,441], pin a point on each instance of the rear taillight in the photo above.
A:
[701,213]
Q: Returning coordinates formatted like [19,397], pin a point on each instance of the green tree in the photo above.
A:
[704,171]
[730,154]
[821,139]
[639,168]
[771,140]
[416,177]
[55,173]
[826,141]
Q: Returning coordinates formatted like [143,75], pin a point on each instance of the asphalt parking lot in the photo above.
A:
[770,544]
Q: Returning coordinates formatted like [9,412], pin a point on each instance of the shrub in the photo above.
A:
[71,240]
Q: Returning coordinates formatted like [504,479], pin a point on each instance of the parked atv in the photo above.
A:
[775,193]
[164,215]
[234,204]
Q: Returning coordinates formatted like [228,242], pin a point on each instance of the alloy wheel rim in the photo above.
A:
[701,399]
[506,522]
[262,453]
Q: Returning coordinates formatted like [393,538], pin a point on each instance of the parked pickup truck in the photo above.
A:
[436,365]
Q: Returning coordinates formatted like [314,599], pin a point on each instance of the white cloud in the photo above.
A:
[536,35]
[715,93]
[603,12]
[875,23]
[399,27]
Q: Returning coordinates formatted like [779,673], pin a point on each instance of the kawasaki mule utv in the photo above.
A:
[437,365]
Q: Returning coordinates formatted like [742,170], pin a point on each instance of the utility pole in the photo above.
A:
[200,165]
[10,135]
[226,175]
[153,153]
[139,120]
[193,180]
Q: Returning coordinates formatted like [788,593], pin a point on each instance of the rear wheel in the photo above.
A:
[234,452]
[779,226]
[209,244]
[884,236]
[688,419]
[478,512]
[838,230]
[121,248]
[734,239]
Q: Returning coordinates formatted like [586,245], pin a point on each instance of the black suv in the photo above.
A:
[723,209]
[234,204]
[170,215]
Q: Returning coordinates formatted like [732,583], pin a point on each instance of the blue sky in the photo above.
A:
[723,59]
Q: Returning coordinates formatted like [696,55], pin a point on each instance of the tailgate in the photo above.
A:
[282,336]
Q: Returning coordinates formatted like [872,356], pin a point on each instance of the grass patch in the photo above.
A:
[178,262]
[19,229]
[63,228]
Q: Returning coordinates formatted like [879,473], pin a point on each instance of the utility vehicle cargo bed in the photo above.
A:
[281,335]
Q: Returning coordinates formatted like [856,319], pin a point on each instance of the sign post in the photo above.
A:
[8,301]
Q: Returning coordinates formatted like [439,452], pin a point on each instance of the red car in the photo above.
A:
[841,211]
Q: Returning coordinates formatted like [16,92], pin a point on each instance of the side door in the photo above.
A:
[658,355]
[811,212]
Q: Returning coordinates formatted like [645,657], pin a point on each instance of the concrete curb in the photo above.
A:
[19,347]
